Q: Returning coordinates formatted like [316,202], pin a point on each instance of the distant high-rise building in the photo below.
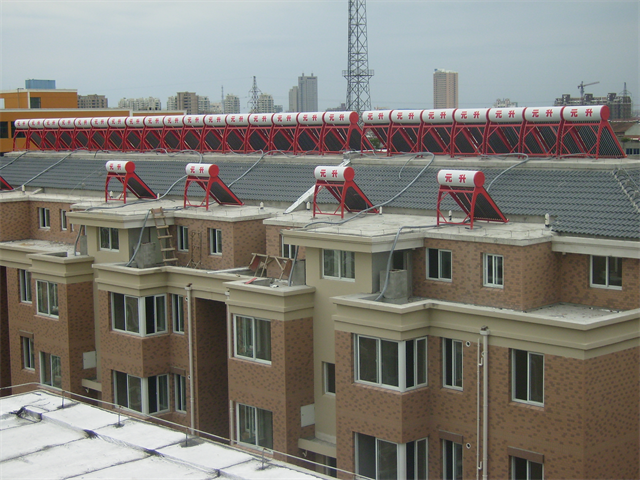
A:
[265,103]
[231,103]
[293,99]
[445,89]
[504,103]
[187,101]
[141,104]
[204,104]
[620,105]
[307,93]
[40,84]
[93,101]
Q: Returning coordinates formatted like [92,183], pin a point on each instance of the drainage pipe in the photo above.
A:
[485,332]
[190,340]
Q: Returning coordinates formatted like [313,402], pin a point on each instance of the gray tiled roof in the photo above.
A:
[583,202]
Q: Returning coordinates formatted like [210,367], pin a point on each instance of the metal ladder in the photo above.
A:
[166,239]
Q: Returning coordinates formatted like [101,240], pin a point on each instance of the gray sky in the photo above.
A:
[528,51]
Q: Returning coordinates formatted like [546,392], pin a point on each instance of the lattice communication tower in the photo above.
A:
[254,94]
[358,73]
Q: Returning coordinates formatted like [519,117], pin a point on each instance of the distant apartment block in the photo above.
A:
[265,103]
[293,99]
[504,103]
[619,105]
[231,103]
[93,101]
[140,104]
[445,89]
[308,93]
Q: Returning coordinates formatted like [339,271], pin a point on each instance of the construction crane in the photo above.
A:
[581,88]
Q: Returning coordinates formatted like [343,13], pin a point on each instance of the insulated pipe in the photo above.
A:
[229,355]
[485,332]
[191,390]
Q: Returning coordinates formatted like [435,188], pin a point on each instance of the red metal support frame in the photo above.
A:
[124,172]
[206,176]
[338,181]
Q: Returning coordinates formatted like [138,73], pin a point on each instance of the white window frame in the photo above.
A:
[528,465]
[329,378]
[404,384]
[252,425]
[532,376]
[139,309]
[132,383]
[440,263]
[51,309]
[250,336]
[50,370]
[44,218]
[451,361]
[177,313]
[215,241]
[609,268]
[401,457]
[180,387]
[448,471]
[26,295]
[63,220]
[493,270]
[183,238]
[28,354]
[340,263]
[113,239]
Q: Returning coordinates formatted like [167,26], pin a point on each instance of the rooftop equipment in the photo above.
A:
[125,173]
[206,175]
[339,182]
[466,187]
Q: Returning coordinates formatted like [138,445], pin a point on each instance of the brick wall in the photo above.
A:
[15,221]
[575,288]
[281,387]
[530,275]
[54,233]
[274,247]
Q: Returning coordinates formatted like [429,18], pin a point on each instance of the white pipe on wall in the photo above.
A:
[485,332]
[190,340]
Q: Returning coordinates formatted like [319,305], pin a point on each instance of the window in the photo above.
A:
[522,469]
[390,364]
[180,382]
[63,219]
[452,363]
[253,338]
[109,239]
[127,313]
[4,129]
[338,264]
[47,296]
[606,272]
[493,270]
[451,460]
[288,251]
[215,241]
[379,459]
[145,395]
[44,218]
[183,238]
[329,376]
[25,285]
[50,370]
[177,310]
[527,371]
[255,426]
[35,102]
[28,354]
[439,264]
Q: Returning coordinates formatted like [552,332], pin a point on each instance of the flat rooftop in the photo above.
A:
[40,439]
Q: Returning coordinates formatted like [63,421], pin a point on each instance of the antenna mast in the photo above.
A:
[358,73]
[254,94]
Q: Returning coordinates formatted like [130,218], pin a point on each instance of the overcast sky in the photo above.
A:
[528,51]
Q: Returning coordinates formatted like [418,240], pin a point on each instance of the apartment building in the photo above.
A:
[511,347]
[445,89]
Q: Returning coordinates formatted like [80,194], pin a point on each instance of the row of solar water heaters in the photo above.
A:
[535,131]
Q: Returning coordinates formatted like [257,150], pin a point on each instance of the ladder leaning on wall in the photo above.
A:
[166,239]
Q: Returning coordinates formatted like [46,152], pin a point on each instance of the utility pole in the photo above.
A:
[358,73]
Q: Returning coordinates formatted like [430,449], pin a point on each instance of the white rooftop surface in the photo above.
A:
[81,441]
